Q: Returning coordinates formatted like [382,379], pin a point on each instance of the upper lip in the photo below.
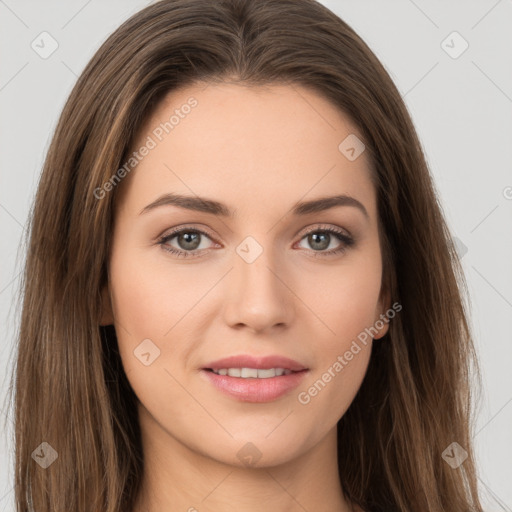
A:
[261,363]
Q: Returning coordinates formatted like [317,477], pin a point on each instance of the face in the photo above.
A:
[251,273]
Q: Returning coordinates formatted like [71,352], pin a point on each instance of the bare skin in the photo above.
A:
[259,151]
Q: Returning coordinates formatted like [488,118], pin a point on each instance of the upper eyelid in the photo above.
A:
[173,232]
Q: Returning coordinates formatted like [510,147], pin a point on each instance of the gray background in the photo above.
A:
[462,110]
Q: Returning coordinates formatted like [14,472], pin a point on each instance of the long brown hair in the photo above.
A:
[70,388]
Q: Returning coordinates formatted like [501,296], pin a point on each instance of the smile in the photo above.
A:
[253,373]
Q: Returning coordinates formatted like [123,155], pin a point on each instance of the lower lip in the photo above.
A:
[255,390]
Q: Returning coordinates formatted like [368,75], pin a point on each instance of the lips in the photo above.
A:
[241,382]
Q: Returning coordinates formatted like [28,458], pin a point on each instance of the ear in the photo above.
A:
[107,316]
[381,319]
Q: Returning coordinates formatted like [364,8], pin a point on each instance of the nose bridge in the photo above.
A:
[258,297]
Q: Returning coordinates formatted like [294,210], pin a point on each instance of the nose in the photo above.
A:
[258,295]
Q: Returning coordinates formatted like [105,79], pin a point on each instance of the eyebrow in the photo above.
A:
[203,204]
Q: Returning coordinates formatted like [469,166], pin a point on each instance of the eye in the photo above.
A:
[320,239]
[188,240]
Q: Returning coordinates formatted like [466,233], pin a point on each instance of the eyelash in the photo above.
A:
[346,241]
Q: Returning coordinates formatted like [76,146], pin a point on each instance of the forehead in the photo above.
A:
[248,147]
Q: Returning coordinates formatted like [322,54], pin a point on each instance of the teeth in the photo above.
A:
[249,372]
[252,373]
[265,374]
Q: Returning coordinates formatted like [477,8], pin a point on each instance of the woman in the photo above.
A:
[240,288]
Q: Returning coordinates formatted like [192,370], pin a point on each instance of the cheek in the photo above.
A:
[347,307]
[150,298]
[148,306]
[343,350]
[142,309]
[139,302]
[347,301]
[332,389]
[152,301]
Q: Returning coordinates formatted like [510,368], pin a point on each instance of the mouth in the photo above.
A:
[256,379]
[252,373]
